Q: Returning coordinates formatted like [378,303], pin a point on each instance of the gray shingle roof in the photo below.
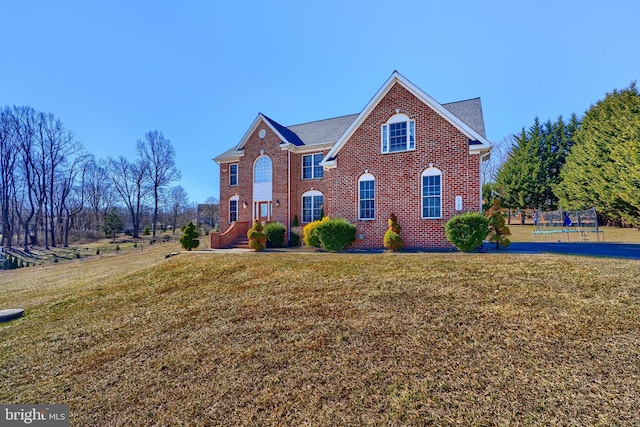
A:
[326,131]
[470,112]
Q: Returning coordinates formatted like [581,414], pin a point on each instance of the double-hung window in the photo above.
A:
[311,206]
[432,193]
[366,197]
[311,168]
[398,134]
[233,174]
[233,210]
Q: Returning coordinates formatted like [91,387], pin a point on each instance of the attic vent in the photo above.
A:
[262,133]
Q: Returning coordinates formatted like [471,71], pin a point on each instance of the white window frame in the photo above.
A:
[312,194]
[314,166]
[385,134]
[367,177]
[260,170]
[237,200]
[231,174]
[430,172]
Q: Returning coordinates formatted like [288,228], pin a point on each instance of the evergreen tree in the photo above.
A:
[112,224]
[532,171]
[603,167]
[518,177]
[189,239]
[498,229]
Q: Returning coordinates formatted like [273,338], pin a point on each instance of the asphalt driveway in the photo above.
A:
[611,250]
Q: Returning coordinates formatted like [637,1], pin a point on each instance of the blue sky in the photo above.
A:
[201,71]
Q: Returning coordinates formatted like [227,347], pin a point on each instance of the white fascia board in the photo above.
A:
[304,149]
[220,160]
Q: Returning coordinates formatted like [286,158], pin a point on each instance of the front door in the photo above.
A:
[263,212]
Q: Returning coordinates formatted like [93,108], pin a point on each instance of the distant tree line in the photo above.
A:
[51,186]
[577,164]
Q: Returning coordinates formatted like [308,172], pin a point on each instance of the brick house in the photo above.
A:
[403,153]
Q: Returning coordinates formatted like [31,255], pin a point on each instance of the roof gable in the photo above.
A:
[463,108]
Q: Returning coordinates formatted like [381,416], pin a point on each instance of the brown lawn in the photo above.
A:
[320,339]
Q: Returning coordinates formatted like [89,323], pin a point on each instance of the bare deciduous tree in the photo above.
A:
[159,157]
[130,182]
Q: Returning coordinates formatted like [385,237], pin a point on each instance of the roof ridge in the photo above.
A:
[324,120]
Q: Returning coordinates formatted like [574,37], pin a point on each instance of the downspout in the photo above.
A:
[289,193]
[480,172]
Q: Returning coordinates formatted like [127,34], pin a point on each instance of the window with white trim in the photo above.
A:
[311,168]
[262,170]
[398,134]
[311,206]
[233,209]
[432,193]
[233,174]
[366,197]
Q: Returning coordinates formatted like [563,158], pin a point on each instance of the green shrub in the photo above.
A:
[275,234]
[257,239]
[467,231]
[392,239]
[189,238]
[295,239]
[335,234]
[309,234]
[147,230]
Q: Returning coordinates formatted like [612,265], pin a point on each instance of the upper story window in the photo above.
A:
[398,134]
[366,197]
[432,193]
[311,168]
[233,174]
[262,170]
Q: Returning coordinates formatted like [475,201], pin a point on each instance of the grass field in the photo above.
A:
[522,233]
[323,339]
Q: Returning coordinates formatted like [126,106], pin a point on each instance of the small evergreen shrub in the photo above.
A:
[296,223]
[467,231]
[189,237]
[97,251]
[275,234]
[295,239]
[257,239]
[309,234]
[335,234]
[117,248]
[147,230]
[498,229]
[392,239]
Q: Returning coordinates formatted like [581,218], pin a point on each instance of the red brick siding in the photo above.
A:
[398,175]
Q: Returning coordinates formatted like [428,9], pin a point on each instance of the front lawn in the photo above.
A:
[324,339]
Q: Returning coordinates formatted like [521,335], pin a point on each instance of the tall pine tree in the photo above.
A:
[603,167]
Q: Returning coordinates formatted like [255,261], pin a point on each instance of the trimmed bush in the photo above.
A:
[189,238]
[275,234]
[467,231]
[257,239]
[392,239]
[295,239]
[310,236]
[335,234]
